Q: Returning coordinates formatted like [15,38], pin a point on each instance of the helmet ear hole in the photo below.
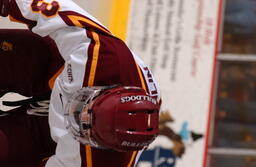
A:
[150,111]
[131,130]
[149,129]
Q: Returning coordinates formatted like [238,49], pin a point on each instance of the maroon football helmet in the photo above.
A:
[118,118]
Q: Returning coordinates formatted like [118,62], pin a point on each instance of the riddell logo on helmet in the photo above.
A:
[132,144]
[126,99]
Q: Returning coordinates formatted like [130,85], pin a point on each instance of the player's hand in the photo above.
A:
[4,8]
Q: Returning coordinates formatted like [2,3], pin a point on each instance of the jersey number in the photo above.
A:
[47,9]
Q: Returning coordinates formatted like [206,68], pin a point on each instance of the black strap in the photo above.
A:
[22,103]
[26,101]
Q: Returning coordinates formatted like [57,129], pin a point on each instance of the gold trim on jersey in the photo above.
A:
[132,159]
[53,78]
[141,78]
[14,20]
[94,59]
[88,156]
[77,22]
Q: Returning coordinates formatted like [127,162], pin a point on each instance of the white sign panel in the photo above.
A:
[177,39]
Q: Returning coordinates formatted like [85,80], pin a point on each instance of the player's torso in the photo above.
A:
[27,62]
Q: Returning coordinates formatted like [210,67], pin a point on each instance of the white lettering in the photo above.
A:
[126,99]
[132,144]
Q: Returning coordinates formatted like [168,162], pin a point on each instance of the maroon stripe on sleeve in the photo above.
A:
[83,20]
[115,65]
[64,17]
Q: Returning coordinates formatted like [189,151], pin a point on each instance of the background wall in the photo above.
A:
[177,40]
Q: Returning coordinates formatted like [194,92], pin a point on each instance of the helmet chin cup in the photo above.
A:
[119,118]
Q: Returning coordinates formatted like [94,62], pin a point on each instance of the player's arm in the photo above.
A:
[47,16]
[60,19]
[71,27]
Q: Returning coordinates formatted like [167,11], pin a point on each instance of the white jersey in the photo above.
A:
[93,56]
